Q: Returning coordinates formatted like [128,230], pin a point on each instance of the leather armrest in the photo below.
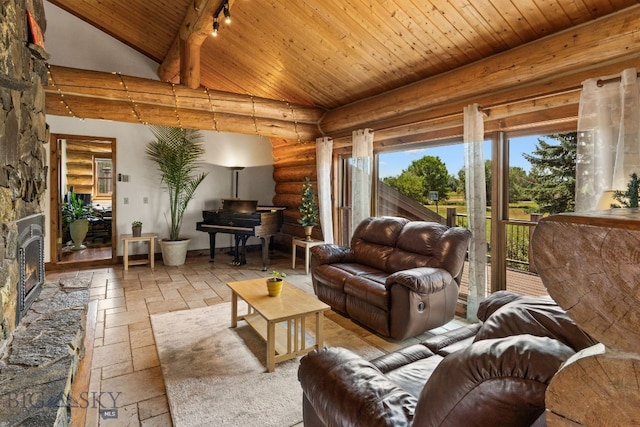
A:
[423,280]
[346,390]
[437,343]
[330,253]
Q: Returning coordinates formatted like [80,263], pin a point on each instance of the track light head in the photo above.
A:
[216,27]
[227,14]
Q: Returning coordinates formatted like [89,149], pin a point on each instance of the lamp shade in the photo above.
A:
[606,200]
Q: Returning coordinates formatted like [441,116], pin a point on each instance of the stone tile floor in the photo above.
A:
[125,360]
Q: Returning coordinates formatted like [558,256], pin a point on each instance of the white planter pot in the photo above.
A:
[174,252]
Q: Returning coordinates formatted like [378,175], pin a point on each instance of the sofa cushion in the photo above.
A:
[539,316]
[334,275]
[375,238]
[369,288]
[495,301]
[420,237]
[382,230]
[493,382]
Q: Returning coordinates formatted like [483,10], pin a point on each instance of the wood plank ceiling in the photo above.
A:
[332,53]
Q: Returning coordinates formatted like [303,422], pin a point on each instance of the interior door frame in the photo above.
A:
[55,197]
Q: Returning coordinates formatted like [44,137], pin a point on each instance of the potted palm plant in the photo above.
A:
[177,153]
[75,217]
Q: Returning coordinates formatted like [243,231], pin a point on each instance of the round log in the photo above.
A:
[283,142]
[84,107]
[596,390]
[590,264]
[290,187]
[291,201]
[290,150]
[97,84]
[296,173]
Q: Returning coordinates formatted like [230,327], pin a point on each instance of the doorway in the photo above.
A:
[84,166]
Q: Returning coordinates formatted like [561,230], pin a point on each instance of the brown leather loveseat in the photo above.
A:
[494,373]
[398,278]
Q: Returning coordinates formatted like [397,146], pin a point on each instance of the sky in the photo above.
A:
[392,164]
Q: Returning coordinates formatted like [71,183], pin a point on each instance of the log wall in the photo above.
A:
[293,162]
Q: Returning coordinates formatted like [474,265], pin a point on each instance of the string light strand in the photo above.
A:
[131,101]
[295,121]
[253,106]
[62,99]
[213,111]
[175,98]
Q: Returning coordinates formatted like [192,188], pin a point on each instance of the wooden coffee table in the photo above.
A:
[280,320]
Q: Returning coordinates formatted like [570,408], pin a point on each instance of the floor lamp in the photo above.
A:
[235,170]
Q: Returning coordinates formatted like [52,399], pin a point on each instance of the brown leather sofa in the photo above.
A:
[494,373]
[398,278]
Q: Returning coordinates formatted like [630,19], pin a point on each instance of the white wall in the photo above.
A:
[71,42]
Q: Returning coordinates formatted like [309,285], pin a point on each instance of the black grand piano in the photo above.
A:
[243,219]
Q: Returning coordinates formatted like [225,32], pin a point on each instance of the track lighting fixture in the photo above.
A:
[216,27]
[223,8]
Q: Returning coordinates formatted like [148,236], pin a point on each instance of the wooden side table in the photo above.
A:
[306,244]
[145,237]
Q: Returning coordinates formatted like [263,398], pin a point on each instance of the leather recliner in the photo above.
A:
[398,277]
[493,373]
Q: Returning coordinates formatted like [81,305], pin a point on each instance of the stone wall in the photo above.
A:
[23,133]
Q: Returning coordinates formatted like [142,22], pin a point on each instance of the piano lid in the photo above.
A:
[241,206]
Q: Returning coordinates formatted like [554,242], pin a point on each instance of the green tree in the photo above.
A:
[462,180]
[426,174]
[434,174]
[553,173]
[519,184]
[408,184]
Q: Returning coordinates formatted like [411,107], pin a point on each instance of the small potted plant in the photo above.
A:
[274,283]
[136,228]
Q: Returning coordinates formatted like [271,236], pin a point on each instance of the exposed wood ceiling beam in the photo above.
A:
[615,37]
[111,96]
[182,61]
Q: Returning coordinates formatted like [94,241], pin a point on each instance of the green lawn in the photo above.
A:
[519,210]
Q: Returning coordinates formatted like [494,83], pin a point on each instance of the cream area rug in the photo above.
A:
[215,375]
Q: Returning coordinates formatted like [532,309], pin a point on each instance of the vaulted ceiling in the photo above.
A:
[330,54]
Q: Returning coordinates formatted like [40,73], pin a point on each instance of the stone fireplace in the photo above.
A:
[23,170]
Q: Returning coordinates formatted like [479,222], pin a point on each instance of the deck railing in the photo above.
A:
[518,236]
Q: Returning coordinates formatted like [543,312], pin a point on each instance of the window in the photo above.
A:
[103,177]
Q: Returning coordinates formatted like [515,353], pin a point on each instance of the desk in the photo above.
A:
[145,237]
[306,244]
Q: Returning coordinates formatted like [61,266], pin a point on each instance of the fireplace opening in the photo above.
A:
[30,262]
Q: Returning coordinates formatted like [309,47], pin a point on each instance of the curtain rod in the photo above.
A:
[602,82]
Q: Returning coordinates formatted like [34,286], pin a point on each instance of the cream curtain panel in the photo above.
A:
[608,137]
[324,155]
[476,207]
[361,174]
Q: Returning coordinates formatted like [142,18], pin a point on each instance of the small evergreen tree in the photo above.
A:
[629,198]
[308,208]
[553,173]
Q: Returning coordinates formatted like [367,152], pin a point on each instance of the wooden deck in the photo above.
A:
[517,281]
